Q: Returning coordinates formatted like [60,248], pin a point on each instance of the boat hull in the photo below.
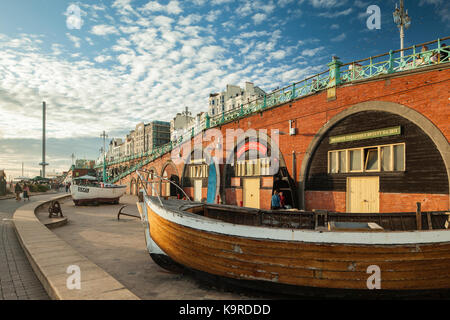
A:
[216,248]
[84,195]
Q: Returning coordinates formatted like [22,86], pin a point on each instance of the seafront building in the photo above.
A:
[144,138]
[233,97]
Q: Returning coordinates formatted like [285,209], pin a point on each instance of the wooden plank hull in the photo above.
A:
[321,264]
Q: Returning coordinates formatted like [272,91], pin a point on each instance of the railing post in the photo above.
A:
[223,116]
[414,55]
[391,62]
[335,72]
[207,121]
[241,112]
[293,91]
[265,102]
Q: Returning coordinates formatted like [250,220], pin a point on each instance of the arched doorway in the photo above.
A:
[376,157]
[201,177]
[167,189]
[254,170]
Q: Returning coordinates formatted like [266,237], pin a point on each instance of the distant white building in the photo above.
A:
[184,122]
[180,124]
[233,98]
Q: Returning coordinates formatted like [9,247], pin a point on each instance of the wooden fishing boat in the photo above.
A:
[297,251]
[86,190]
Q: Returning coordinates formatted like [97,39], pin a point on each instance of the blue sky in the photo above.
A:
[126,61]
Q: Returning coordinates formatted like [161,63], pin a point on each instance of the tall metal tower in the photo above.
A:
[104,136]
[43,163]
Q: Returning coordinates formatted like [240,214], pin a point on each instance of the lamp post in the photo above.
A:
[403,21]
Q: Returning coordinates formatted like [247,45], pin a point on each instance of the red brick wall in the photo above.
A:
[389,202]
[326,200]
[426,93]
[406,202]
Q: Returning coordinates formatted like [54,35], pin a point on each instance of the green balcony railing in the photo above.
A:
[414,57]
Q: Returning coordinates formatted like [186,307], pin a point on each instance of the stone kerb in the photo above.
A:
[50,258]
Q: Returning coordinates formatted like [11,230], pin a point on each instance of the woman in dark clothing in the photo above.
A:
[18,190]
[26,192]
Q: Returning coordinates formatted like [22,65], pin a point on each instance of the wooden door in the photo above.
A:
[363,194]
[251,193]
[198,190]
[153,188]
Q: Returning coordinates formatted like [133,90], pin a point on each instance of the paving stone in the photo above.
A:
[16,274]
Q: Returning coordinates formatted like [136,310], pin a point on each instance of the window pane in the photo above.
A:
[386,158]
[372,159]
[399,157]
[342,161]
[355,160]
[333,164]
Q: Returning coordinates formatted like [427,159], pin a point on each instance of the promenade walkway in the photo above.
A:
[118,247]
[17,278]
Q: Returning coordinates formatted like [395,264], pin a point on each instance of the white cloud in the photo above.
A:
[212,15]
[173,7]
[336,14]
[259,18]
[76,41]
[123,6]
[312,52]
[277,55]
[327,3]
[103,30]
[132,29]
[102,58]
[339,38]
[190,19]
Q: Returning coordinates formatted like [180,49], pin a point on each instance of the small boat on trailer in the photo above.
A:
[86,190]
[297,252]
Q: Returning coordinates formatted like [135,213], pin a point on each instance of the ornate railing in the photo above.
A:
[414,57]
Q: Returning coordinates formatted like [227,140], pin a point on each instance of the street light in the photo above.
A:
[403,21]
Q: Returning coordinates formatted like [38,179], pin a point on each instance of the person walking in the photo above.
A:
[26,192]
[18,190]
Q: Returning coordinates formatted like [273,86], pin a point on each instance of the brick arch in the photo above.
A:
[269,141]
[412,115]
[189,157]
[147,178]
[171,171]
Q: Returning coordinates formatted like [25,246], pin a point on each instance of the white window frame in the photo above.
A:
[363,160]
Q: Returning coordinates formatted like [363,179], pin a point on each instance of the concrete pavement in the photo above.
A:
[17,279]
[64,272]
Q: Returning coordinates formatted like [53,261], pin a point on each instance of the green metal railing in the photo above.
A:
[415,57]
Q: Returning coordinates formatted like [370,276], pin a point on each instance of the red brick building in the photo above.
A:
[374,145]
